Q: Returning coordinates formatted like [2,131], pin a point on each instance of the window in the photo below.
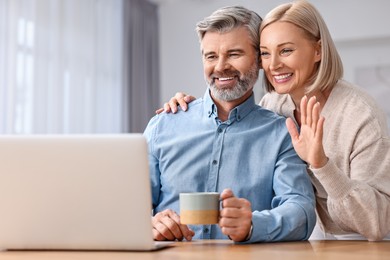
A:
[60,64]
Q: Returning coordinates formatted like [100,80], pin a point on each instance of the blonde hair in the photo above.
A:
[305,16]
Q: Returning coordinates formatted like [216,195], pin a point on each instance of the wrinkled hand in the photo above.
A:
[308,143]
[235,217]
[166,226]
[181,99]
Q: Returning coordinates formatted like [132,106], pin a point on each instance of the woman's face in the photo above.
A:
[288,57]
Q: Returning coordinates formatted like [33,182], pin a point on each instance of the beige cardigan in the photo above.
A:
[353,188]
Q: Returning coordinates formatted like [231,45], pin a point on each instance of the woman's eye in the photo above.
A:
[286,51]
[264,54]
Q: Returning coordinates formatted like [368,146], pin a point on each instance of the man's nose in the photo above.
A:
[222,64]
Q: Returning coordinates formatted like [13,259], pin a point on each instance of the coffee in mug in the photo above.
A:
[199,208]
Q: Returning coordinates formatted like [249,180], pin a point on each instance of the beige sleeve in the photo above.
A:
[360,203]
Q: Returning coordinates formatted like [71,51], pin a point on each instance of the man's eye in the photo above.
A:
[210,57]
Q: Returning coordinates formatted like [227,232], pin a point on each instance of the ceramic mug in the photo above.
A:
[199,208]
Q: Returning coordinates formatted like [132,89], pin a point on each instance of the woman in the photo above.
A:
[348,154]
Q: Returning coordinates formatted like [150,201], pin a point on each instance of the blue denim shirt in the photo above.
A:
[251,153]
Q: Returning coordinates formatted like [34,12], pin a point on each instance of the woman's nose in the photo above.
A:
[275,63]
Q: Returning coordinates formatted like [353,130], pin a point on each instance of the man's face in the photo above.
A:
[230,62]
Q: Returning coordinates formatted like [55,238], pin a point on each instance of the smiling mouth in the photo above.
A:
[282,77]
[225,79]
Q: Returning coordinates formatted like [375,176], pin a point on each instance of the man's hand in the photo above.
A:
[235,217]
[166,226]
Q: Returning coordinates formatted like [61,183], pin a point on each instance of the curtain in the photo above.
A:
[141,63]
[67,67]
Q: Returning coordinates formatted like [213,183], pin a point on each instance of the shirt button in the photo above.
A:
[206,230]
[219,130]
[215,162]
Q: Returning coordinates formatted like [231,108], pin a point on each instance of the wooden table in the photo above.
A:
[220,249]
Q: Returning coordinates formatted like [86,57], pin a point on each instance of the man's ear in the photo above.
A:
[318,51]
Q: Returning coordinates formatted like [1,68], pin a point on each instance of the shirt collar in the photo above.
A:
[238,113]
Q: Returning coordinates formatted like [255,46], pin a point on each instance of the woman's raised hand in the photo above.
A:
[308,142]
[180,99]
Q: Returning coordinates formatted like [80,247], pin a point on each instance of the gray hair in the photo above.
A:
[228,18]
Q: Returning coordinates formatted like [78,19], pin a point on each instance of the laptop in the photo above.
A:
[75,192]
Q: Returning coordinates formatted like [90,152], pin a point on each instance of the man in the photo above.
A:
[228,144]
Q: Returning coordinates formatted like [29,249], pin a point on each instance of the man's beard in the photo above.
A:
[243,85]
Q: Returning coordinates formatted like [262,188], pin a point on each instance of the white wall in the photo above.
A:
[361,30]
